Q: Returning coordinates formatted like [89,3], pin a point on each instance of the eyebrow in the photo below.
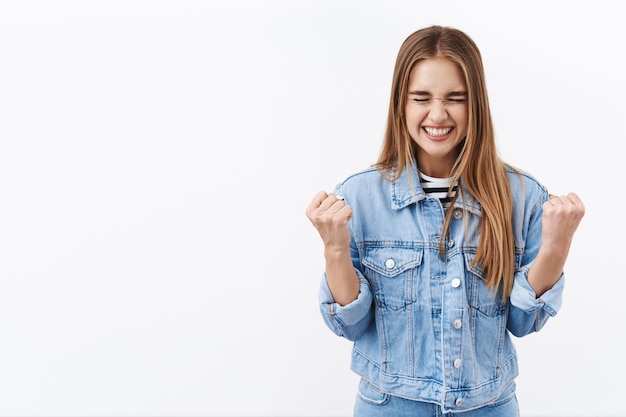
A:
[450,94]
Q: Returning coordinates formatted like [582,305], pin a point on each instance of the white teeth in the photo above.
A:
[437,132]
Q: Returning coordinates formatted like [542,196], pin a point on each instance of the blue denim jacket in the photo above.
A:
[427,327]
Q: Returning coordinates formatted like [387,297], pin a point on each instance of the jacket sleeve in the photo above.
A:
[349,321]
[527,313]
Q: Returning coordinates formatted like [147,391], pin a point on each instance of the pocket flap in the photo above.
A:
[392,260]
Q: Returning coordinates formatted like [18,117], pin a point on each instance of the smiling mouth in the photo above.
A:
[438,131]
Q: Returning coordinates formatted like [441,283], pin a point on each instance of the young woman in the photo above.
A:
[440,251]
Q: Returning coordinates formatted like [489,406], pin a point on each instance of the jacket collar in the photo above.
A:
[407,190]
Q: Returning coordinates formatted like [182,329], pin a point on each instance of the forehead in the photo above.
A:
[436,75]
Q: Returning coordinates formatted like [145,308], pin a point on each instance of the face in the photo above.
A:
[437,114]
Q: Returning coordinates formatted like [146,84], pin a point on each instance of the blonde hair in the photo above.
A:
[477,166]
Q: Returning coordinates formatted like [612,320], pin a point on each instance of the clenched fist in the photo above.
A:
[330,214]
[561,217]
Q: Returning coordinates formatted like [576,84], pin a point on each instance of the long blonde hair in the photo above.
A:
[477,166]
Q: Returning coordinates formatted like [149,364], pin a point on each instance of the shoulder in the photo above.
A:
[363,185]
[526,187]
[362,178]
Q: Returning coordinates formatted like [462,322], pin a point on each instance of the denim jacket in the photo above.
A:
[426,327]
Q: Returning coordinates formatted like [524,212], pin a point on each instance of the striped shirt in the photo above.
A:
[438,188]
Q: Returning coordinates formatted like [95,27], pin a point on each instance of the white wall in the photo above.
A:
[156,159]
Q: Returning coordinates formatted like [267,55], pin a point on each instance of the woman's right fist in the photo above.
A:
[329,214]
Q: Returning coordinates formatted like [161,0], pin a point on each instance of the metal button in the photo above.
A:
[390,263]
[457,324]
[450,243]
[456,282]
[457,363]
[459,401]
[458,214]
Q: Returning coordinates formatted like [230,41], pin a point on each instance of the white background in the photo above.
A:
[157,157]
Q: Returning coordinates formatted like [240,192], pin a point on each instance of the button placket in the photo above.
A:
[456,325]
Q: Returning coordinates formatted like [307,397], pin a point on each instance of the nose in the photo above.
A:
[438,111]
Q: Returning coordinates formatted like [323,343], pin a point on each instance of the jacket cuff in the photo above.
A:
[523,295]
[351,313]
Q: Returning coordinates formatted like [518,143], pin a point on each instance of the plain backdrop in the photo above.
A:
[157,157]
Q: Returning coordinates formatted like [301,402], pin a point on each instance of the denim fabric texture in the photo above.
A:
[426,327]
[371,402]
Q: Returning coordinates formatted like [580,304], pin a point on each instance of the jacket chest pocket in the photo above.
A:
[485,300]
[393,272]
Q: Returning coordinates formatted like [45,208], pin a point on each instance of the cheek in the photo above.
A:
[461,122]
[413,118]
[412,125]
[464,127]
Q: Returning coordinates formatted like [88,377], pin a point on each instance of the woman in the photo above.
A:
[440,251]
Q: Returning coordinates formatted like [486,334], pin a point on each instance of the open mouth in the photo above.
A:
[439,131]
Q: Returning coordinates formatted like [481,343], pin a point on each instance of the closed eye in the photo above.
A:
[454,97]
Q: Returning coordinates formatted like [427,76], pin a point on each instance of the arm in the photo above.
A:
[329,214]
[561,216]
[345,295]
[538,288]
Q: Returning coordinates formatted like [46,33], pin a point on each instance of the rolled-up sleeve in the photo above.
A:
[351,320]
[528,313]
